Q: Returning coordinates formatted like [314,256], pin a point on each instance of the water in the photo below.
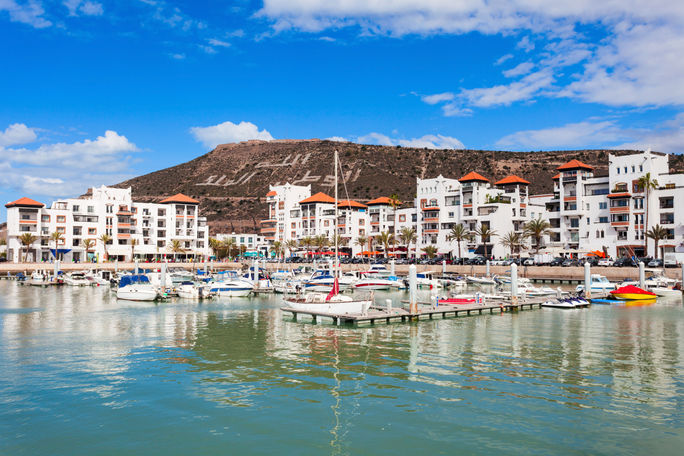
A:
[81,373]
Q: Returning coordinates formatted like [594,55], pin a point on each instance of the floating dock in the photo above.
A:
[378,314]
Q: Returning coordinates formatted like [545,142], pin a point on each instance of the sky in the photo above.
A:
[94,92]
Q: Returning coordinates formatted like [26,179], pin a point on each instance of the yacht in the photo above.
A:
[76,279]
[136,288]
[39,279]
[598,283]
[191,290]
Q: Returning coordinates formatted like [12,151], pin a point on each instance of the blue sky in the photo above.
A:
[93,92]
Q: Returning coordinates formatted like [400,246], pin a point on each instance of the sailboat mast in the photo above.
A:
[336,220]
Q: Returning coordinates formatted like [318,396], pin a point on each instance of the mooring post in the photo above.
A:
[443,267]
[162,276]
[388,303]
[587,280]
[116,266]
[136,266]
[642,275]
[413,288]
[514,284]
[487,268]
[392,273]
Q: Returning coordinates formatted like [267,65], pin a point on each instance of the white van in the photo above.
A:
[673,259]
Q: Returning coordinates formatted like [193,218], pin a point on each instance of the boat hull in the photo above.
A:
[320,305]
[634,296]
[137,293]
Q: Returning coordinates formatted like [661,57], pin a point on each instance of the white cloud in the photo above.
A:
[177,56]
[437,98]
[228,132]
[218,43]
[429,141]
[17,134]
[337,139]
[62,169]
[30,12]
[503,59]
[525,44]
[668,137]
[573,135]
[506,94]
[86,8]
[519,70]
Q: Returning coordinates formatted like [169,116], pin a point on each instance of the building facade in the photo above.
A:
[135,229]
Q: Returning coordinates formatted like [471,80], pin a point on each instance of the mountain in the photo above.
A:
[232,180]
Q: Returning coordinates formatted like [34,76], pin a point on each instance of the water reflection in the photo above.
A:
[621,366]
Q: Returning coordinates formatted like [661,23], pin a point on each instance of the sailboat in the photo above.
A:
[333,302]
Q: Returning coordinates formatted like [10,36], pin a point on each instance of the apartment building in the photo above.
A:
[609,212]
[143,230]
[255,244]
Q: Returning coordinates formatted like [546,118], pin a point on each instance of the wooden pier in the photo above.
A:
[385,315]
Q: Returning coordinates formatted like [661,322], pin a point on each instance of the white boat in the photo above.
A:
[232,288]
[322,280]
[287,286]
[480,280]
[98,278]
[374,283]
[566,303]
[598,283]
[76,279]
[666,292]
[39,279]
[190,290]
[426,280]
[260,280]
[136,288]
[528,289]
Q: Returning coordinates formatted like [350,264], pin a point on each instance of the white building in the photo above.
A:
[255,244]
[145,230]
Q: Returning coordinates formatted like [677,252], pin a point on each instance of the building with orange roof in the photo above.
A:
[112,212]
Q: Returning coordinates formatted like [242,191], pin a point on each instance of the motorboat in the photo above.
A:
[191,290]
[426,280]
[374,282]
[573,302]
[258,278]
[76,279]
[456,301]
[99,278]
[287,286]
[666,292]
[322,280]
[530,290]
[39,279]
[481,280]
[136,288]
[598,283]
[229,283]
[630,292]
[448,281]
[322,303]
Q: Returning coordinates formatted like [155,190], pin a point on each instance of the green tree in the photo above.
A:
[408,236]
[361,241]
[277,248]
[176,247]
[657,233]
[459,233]
[215,246]
[646,184]
[105,239]
[134,242]
[320,242]
[56,237]
[291,245]
[385,238]
[27,239]
[306,242]
[88,245]
[513,241]
[536,229]
[485,233]
[430,251]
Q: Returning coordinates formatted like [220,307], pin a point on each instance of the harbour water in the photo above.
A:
[82,373]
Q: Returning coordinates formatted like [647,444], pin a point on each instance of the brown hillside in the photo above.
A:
[232,180]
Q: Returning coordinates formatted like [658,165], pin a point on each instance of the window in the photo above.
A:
[362,222]
[603,205]
[61,229]
[603,220]
[588,220]
[588,206]
[633,168]
[61,219]
[625,170]
[75,208]
[109,209]
[618,170]
[44,218]
[91,209]
[641,168]
[77,231]
[92,230]
[451,214]
[402,218]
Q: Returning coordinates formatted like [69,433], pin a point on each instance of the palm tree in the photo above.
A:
[408,236]
[646,184]
[430,251]
[105,239]
[291,245]
[536,229]
[320,242]
[88,245]
[395,203]
[306,242]
[56,236]
[215,246]
[485,233]
[277,248]
[459,233]
[657,233]
[26,240]
[386,238]
[134,242]
[361,242]
[227,247]
[512,240]
[176,246]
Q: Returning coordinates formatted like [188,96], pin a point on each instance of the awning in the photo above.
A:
[59,251]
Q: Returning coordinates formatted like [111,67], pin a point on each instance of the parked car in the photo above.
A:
[570,262]
[605,262]
[624,262]
[476,261]
[655,263]
[593,261]
[527,261]
[558,261]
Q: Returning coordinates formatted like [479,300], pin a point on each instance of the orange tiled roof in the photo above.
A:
[574,164]
[556,177]
[25,202]
[319,197]
[381,200]
[473,176]
[180,198]
[512,179]
[352,204]
[271,193]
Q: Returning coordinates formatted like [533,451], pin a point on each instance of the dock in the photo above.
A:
[378,314]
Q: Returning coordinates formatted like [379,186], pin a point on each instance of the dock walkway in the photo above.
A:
[382,314]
